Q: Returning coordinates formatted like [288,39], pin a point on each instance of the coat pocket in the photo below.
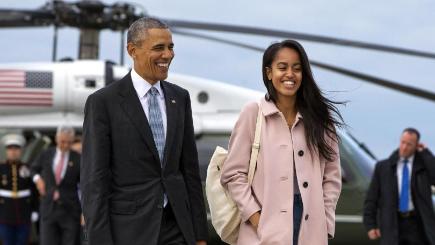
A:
[123,207]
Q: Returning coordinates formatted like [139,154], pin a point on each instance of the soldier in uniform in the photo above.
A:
[17,194]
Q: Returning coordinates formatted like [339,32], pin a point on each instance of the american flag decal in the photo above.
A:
[26,88]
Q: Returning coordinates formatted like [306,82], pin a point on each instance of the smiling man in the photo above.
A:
[139,175]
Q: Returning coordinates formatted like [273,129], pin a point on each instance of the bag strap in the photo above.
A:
[255,146]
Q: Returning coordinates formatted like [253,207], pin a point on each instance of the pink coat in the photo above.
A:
[272,189]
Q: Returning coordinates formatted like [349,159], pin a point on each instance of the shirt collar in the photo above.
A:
[410,159]
[269,108]
[142,86]
[59,152]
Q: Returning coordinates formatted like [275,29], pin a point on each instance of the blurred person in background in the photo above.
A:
[77,144]
[56,173]
[398,208]
[18,197]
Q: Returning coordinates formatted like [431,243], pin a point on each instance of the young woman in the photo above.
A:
[297,182]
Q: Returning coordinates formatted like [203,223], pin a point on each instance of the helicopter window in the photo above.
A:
[354,160]
[89,83]
[206,145]
[344,177]
[203,97]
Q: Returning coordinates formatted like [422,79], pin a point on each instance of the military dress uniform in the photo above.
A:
[17,201]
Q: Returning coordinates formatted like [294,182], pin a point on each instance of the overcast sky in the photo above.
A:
[376,116]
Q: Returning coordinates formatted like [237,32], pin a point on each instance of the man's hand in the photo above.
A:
[34,216]
[374,234]
[40,185]
[201,243]
[255,219]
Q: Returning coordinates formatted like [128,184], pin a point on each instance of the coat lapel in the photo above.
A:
[417,166]
[50,165]
[68,168]
[393,177]
[172,117]
[133,109]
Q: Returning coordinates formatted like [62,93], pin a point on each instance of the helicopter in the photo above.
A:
[70,82]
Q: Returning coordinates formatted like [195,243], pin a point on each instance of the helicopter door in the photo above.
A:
[85,78]
[83,86]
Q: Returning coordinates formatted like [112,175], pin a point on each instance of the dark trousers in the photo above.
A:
[411,231]
[170,233]
[61,227]
[298,209]
[15,234]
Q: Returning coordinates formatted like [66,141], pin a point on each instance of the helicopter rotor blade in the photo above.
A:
[179,24]
[98,16]
[85,15]
[343,71]
[25,18]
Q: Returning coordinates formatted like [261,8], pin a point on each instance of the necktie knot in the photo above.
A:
[153,91]
[405,161]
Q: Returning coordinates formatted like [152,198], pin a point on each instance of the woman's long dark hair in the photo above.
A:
[320,115]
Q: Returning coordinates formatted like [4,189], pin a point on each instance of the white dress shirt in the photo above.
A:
[399,179]
[142,87]
[56,161]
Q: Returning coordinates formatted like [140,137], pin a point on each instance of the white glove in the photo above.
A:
[34,217]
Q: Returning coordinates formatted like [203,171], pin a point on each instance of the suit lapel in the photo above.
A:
[68,168]
[171,116]
[133,109]
[417,166]
[393,178]
[50,165]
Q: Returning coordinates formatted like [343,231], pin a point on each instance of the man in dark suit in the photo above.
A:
[140,177]
[56,173]
[398,208]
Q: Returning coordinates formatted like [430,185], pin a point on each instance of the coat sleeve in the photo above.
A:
[34,197]
[331,185]
[95,171]
[36,166]
[429,162]
[235,169]
[371,202]
[190,170]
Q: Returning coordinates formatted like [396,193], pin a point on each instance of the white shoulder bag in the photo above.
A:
[225,215]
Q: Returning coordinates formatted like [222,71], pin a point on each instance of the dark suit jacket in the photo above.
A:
[68,186]
[122,180]
[383,198]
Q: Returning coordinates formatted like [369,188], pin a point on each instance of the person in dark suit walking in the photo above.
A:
[56,173]
[400,195]
[140,176]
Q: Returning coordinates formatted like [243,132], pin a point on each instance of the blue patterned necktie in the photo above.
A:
[156,122]
[404,192]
